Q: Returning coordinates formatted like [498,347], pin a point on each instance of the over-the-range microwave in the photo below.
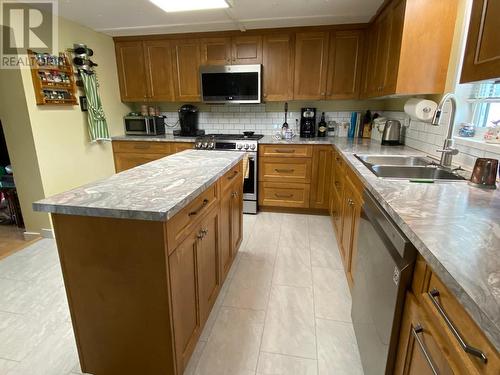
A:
[144,125]
[231,83]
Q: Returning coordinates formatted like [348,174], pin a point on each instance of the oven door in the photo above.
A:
[250,183]
[136,125]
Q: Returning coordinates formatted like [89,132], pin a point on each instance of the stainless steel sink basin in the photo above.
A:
[404,160]
[404,172]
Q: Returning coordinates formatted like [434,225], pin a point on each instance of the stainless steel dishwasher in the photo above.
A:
[383,267]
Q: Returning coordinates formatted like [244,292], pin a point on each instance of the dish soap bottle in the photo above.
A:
[322,127]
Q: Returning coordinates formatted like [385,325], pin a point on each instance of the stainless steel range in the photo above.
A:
[241,143]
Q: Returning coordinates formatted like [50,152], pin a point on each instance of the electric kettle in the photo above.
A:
[392,133]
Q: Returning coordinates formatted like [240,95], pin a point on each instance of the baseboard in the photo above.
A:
[294,210]
[30,236]
[47,233]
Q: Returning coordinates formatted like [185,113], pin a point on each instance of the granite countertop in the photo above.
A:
[153,138]
[454,226]
[270,140]
[154,191]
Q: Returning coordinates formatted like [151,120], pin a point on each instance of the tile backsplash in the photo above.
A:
[233,119]
[428,138]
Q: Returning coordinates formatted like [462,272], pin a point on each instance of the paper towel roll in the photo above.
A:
[420,109]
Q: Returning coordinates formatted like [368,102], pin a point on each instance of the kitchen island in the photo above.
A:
[144,254]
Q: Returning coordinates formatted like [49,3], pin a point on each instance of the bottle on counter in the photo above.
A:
[322,126]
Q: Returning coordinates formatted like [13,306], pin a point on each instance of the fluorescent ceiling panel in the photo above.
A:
[188,5]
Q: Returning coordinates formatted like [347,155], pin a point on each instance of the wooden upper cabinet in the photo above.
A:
[216,51]
[131,70]
[344,64]
[158,56]
[187,61]
[247,50]
[410,48]
[278,69]
[311,55]
[482,54]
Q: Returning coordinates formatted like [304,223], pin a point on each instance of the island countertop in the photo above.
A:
[454,226]
[155,191]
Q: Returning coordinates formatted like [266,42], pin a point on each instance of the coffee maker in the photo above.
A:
[308,122]
[188,118]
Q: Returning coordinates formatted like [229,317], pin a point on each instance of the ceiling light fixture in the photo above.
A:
[187,5]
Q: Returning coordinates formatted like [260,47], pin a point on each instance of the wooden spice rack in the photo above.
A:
[67,88]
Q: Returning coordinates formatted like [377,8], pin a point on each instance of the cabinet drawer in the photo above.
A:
[181,224]
[146,147]
[284,194]
[285,170]
[295,151]
[439,302]
[235,173]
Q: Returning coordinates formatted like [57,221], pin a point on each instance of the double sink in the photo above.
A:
[407,167]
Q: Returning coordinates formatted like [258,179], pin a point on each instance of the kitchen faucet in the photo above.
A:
[448,150]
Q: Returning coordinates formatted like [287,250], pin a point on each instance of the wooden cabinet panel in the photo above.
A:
[131,71]
[216,51]
[230,177]
[181,146]
[187,60]
[285,169]
[384,25]
[278,66]
[296,151]
[183,271]
[369,85]
[344,64]
[236,215]
[158,55]
[421,345]
[247,50]
[124,161]
[276,194]
[145,147]
[482,54]
[209,280]
[311,55]
[225,251]
[321,177]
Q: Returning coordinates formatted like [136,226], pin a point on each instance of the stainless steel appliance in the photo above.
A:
[484,174]
[392,133]
[144,125]
[188,119]
[383,268]
[231,83]
[241,143]
[308,122]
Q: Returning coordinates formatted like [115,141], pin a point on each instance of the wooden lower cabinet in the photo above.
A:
[321,177]
[286,195]
[130,154]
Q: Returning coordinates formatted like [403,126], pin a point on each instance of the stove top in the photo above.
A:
[236,137]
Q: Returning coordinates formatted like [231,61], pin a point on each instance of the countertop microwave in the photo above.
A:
[231,83]
[144,125]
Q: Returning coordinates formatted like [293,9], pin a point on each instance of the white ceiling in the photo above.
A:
[134,17]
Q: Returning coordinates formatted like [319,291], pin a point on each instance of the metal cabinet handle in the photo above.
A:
[350,202]
[466,348]
[415,332]
[196,212]
[202,233]
[233,175]
[279,151]
[283,195]
[199,236]
[284,170]
[234,194]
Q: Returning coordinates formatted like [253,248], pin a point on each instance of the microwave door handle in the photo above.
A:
[148,126]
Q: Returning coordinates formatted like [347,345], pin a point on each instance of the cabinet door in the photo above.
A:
[131,71]
[216,51]
[321,177]
[482,54]
[344,64]
[311,57]
[384,24]
[209,279]
[247,50]
[278,67]
[187,60]
[159,70]
[226,255]
[236,215]
[369,86]
[131,160]
[421,347]
[396,18]
[186,318]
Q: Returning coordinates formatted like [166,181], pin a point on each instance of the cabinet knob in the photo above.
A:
[265,95]
[322,94]
[350,202]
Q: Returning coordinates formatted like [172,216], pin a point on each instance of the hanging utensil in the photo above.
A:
[285,124]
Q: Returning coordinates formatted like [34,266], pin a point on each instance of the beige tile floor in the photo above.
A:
[284,309]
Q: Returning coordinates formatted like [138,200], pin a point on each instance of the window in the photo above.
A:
[485,100]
